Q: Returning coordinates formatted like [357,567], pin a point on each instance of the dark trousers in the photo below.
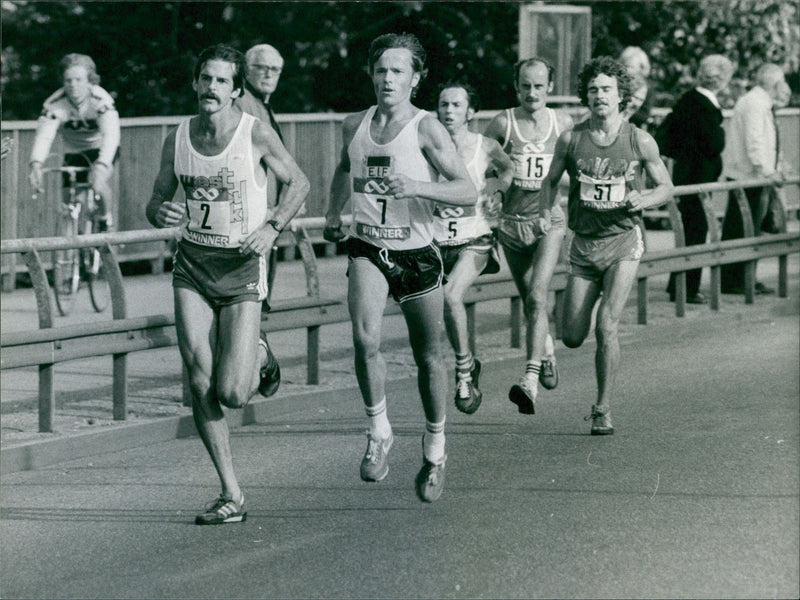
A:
[732,276]
[695,229]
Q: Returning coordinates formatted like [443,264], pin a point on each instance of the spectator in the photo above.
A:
[638,65]
[752,153]
[696,136]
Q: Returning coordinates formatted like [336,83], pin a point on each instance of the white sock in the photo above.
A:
[433,442]
[378,420]
[532,368]
[549,346]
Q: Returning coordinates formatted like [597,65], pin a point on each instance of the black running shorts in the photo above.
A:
[409,273]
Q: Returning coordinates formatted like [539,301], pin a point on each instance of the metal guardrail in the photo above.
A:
[49,345]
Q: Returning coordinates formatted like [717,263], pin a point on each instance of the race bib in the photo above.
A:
[209,211]
[602,194]
[453,224]
[530,169]
[377,213]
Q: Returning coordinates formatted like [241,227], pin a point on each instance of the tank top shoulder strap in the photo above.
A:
[554,121]
[509,116]
[479,144]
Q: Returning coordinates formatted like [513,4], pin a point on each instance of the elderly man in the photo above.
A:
[697,138]
[752,153]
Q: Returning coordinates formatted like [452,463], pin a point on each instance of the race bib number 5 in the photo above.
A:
[602,194]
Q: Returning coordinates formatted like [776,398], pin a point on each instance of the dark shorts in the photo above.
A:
[520,233]
[590,258]
[484,244]
[409,273]
[81,159]
[223,276]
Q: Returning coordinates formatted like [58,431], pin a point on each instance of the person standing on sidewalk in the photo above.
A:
[219,158]
[397,161]
[604,157]
[528,134]
[464,233]
[264,67]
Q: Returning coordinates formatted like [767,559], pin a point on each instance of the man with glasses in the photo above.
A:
[263,71]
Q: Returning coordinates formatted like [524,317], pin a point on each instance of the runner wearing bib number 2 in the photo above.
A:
[528,134]
[464,233]
[604,157]
[219,159]
[396,162]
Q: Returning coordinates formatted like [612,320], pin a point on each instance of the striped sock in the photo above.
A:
[433,442]
[532,368]
[378,420]
[464,365]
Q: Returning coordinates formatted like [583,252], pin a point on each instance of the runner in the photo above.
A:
[604,157]
[396,161]
[528,133]
[464,233]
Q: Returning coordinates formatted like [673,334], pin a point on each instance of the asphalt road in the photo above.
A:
[697,495]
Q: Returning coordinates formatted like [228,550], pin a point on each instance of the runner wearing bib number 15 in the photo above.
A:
[528,134]
[464,233]
[604,157]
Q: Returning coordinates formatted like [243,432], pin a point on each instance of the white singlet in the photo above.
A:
[224,201]
[378,218]
[456,225]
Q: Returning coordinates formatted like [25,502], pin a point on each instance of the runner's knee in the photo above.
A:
[232,395]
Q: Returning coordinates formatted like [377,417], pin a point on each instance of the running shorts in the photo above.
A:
[590,257]
[409,273]
[520,233]
[484,244]
[223,276]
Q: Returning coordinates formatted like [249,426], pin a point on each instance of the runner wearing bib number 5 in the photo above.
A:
[528,134]
[605,157]
[464,233]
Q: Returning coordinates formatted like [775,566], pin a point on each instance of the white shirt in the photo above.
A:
[752,144]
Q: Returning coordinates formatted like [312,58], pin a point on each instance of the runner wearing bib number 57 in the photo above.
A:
[605,158]
[528,134]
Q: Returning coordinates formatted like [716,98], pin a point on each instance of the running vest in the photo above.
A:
[455,225]
[531,160]
[600,177]
[224,201]
[378,218]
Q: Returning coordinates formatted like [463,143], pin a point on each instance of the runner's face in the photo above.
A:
[603,96]
[76,83]
[214,86]
[454,111]
[393,76]
[533,87]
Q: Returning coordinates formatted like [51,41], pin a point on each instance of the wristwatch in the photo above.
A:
[275,226]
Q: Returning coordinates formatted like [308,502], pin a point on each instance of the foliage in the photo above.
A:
[145,50]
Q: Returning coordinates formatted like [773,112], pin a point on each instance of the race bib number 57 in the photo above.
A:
[602,194]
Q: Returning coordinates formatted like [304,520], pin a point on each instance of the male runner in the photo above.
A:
[464,233]
[220,159]
[604,157]
[393,156]
[528,133]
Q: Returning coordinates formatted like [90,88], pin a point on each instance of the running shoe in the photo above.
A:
[548,374]
[468,396]
[524,396]
[601,420]
[374,465]
[222,510]
[270,373]
[430,480]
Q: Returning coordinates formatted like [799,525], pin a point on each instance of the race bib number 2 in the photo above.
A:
[210,213]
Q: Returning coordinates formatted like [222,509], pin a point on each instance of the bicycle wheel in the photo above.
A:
[95,273]
[66,271]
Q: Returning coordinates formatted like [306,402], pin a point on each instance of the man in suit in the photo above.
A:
[697,138]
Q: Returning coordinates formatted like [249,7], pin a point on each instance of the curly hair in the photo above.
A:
[226,54]
[410,42]
[605,65]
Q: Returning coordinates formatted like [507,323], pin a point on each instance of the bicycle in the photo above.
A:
[78,215]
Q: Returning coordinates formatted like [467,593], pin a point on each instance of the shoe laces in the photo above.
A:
[217,504]
[374,449]
[463,387]
[548,366]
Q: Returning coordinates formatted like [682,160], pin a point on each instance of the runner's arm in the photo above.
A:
[340,184]
[496,129]
[438,148]
[161,211]
[640,200]
[558,167]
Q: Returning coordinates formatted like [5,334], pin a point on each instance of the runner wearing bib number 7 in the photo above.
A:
[605,158]
[396,162]
[528,134]
[464,233]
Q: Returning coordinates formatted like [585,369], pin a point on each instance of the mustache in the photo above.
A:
[209,97]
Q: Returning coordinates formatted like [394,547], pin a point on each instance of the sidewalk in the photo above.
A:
[155,389]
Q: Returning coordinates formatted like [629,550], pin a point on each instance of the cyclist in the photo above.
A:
[89,125]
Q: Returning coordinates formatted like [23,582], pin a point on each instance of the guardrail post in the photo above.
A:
[641,300]
[312,355]
[471,332]
[119,310]
[714,235]
[558,314]
[309,261]
[516,322]
[680,242]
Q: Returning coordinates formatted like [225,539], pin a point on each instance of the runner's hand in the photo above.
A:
[333,231]
[635,201]
[170,214]
[400,186]
[261,241]
[543,225]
